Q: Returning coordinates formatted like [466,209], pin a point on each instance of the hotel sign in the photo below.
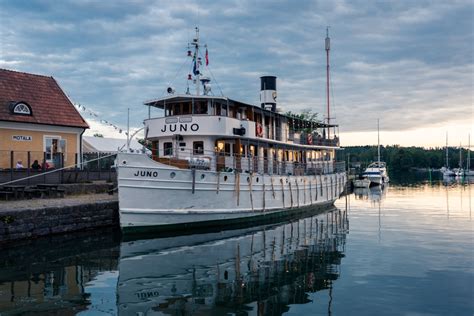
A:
[22,138]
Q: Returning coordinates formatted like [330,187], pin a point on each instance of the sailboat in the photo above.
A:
[376,172]
[445,170]
[461,171]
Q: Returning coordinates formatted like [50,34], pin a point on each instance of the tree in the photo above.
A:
[98,135]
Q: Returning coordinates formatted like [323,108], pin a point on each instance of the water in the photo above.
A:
[400,251]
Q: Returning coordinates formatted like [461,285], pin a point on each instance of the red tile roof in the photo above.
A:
[49,104]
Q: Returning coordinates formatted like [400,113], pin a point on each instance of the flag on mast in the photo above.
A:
[207,57]
[195,66]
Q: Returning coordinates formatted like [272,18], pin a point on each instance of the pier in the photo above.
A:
[28,219]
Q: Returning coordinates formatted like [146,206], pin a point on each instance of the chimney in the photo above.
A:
[268,94]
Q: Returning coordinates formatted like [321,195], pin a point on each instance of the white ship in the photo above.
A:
[218,161]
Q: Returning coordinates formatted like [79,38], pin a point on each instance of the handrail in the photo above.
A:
[251,164]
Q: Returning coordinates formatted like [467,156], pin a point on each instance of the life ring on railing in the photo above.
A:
[310,139]
[259,130]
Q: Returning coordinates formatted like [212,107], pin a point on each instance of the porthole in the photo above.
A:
[203,176]
[225,178]
[287,180]
[172,175]
[256,179]
[124,162]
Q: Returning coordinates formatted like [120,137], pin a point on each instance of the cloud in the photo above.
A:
[410,63]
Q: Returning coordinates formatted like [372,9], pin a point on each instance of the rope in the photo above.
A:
[250,187]
[282,192]
[213,78]
[56,170]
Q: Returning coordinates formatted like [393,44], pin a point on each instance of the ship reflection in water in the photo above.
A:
[260,270]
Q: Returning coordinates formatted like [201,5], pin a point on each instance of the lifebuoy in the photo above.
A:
[259,130]
[310,139]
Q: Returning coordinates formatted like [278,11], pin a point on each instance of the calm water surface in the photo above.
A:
[400,251]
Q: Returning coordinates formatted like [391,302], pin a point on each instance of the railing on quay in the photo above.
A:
[16,165]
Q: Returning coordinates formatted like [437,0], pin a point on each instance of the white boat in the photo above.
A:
[376,172]
[467,172]
[218,161]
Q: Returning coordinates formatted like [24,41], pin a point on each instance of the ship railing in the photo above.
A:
[300,136]
[221,161]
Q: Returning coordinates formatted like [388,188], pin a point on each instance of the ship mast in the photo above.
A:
[196,72]
[328,47]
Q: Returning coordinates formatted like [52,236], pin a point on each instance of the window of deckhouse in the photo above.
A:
[200,107]
[198,148]
[168,149]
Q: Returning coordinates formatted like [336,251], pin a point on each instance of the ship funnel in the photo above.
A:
[268,94]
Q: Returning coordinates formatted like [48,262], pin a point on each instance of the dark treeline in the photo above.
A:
[404,158]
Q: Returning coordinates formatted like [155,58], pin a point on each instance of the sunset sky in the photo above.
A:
[409,63]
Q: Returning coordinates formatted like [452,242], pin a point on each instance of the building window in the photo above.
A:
[168,149]
[21,108]
[198,148]
[55,150]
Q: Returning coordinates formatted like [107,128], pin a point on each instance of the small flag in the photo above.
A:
[195,68]
[207,57]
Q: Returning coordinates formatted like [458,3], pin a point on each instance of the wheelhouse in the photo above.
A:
[234,135]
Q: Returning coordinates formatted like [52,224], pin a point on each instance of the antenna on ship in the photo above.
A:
[197,62]
[328,47]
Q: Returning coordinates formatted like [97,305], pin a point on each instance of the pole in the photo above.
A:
[468,164]
[378,142]
[328,47]
[128,130]
[447,158]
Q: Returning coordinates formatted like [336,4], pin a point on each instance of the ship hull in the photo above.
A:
[152,194]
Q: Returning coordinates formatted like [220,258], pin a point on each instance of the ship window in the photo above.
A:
[186,108]
[223,110]
[198,148]
[155,148]
[227,149]
[200,108]
[168,149]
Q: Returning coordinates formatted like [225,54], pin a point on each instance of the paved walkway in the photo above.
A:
[66,201]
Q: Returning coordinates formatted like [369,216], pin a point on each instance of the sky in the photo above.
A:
[407,63]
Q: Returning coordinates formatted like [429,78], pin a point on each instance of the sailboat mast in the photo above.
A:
[460,156]
[468,163]
[378,142]
[447,158]
[328,47]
